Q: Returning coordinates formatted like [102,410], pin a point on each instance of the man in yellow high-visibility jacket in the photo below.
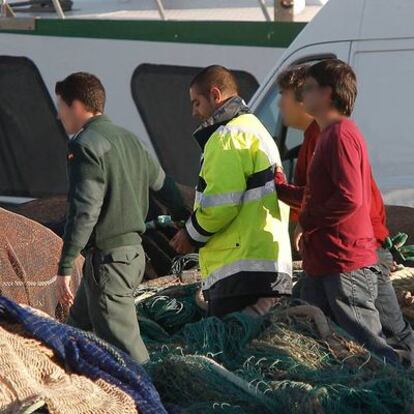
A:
[238,223]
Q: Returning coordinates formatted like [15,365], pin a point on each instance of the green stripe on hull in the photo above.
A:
[265,34]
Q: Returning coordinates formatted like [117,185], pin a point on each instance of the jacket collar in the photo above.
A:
[91,121]
[233,108]
[95,120]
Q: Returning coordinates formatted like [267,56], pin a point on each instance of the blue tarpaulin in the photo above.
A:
[88,356]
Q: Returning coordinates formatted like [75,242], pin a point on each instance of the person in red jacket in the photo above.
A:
[290,83]
[338,260]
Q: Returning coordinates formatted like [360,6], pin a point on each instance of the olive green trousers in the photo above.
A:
[104,303]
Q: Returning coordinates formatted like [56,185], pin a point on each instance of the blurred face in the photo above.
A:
[72,117]
[292,111]
[203,107]
[316,99]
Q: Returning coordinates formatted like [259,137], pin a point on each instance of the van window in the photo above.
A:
[32,141]
[294,138]
[268,112]
[293,142]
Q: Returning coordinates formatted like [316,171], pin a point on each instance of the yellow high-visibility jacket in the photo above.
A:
[238,222]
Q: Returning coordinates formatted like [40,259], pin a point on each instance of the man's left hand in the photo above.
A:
[181,243]
[63,292]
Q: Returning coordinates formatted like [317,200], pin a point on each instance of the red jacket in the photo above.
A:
[335,216]
[293,196]
[306,151]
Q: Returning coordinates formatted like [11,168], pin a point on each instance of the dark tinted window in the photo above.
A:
[32,141]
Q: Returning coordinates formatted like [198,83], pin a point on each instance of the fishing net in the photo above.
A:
[294,360]
[403,281]
[48,211]
[31,379]
[291,361]
[29,255]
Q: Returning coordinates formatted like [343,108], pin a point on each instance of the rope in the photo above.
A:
[182,263]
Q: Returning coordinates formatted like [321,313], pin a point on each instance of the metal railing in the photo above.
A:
[283,9]
[7,8]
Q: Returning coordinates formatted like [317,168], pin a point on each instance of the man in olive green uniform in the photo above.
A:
[110,174]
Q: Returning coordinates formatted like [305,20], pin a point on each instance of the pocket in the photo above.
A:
[96,275]
[124,255]
[375,269]
[224,241]
[220,250]
[121,270]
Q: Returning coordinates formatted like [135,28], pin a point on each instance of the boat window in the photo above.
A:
[32,140]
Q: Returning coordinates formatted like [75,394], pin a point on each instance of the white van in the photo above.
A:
[376,37]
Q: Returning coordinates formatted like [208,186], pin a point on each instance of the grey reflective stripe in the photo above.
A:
[246,266]
[159,182]
[257,193]
[237,197]
[194,234]
[221,199]
[268,145]
[198,197]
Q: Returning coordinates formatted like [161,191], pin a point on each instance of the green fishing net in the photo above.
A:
[274,364]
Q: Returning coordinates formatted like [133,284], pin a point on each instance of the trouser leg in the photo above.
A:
[352,299]
[392,319]
[297,287]
[312,292]
[79,311]
[116,273]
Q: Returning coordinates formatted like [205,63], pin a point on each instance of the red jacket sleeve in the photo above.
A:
[290,194]
[378,215]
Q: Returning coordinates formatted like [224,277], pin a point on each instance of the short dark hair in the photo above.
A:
[293,78]
[341,78]
[215,76]
[84,87]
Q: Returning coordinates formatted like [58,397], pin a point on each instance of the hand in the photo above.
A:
[280,177]
[181,243]
[63,292]
[297,238]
